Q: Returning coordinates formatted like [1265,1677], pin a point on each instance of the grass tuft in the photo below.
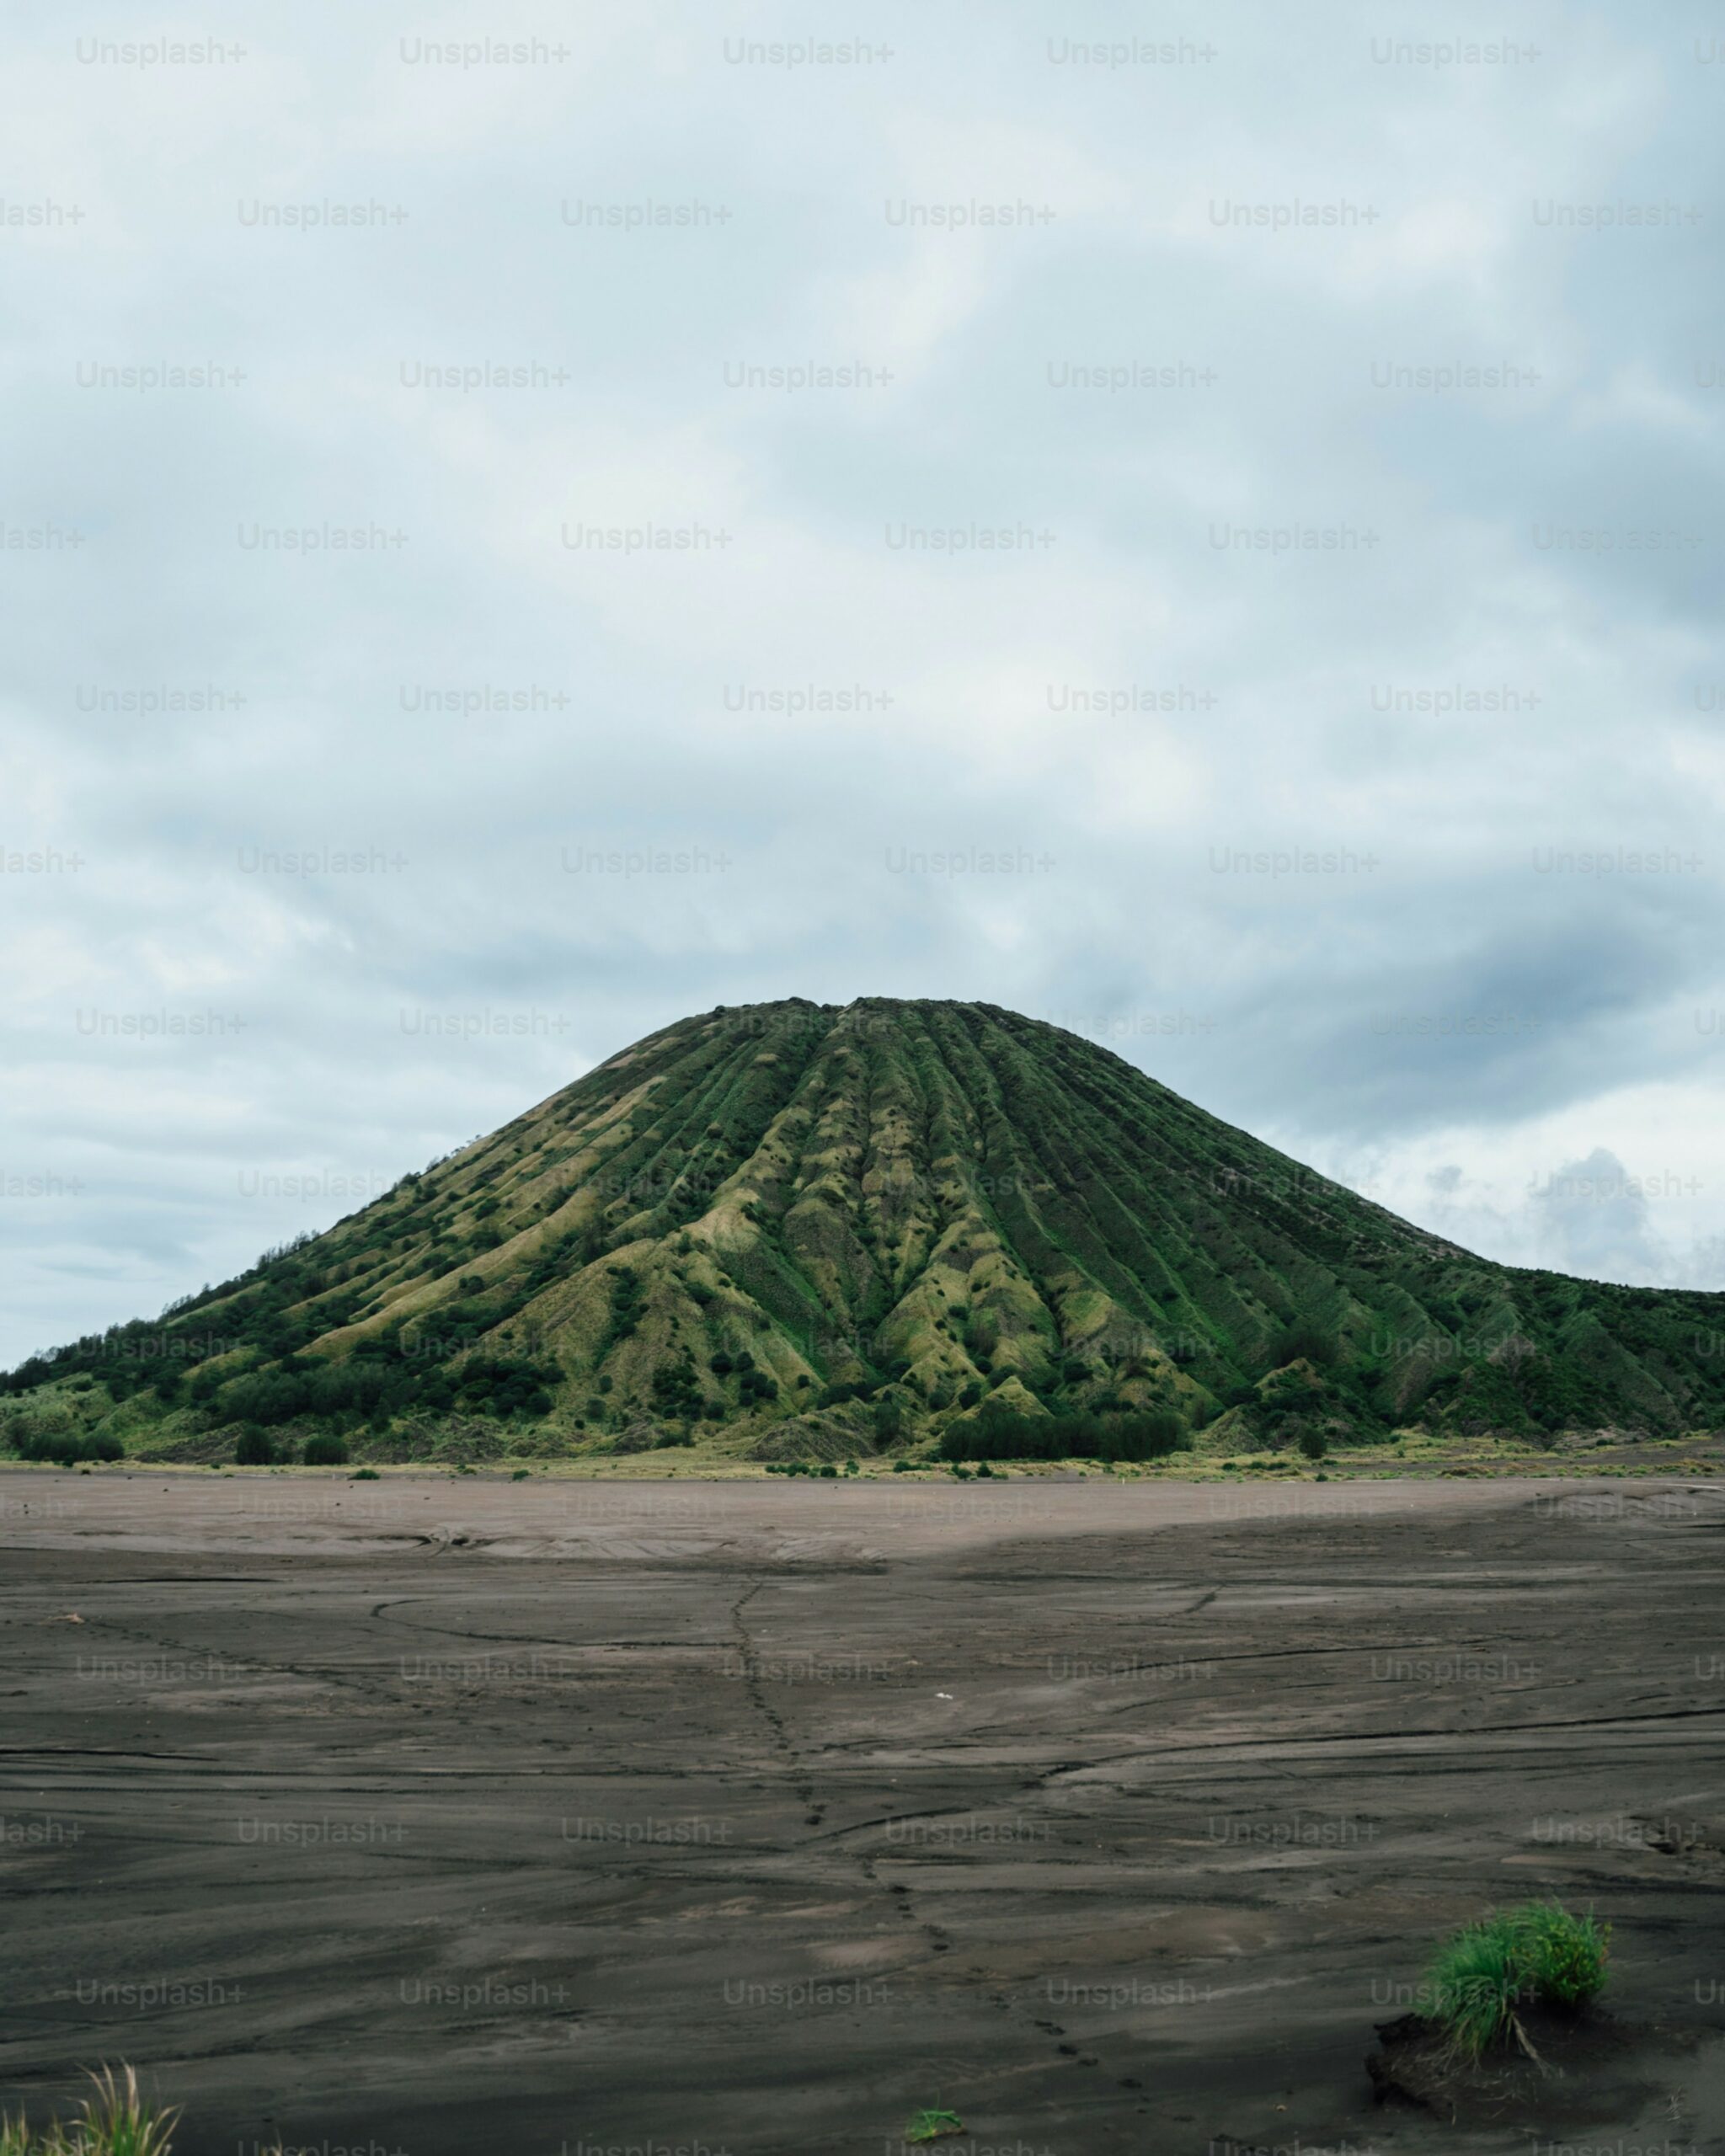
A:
[1567,1955]
[933,2126]
[113,2121]
[1487,1972]
[117,2122]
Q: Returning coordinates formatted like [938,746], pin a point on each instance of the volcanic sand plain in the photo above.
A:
[435,1814]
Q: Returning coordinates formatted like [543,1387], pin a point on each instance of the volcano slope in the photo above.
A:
[803,1231]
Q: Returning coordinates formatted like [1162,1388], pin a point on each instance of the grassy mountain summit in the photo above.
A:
[802,1230]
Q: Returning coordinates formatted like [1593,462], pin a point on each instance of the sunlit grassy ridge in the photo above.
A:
[810,1230]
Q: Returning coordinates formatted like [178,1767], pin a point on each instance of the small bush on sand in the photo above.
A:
[1488,1971]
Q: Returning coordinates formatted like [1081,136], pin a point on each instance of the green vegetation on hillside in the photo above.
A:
[807,1231]
[1144,1435]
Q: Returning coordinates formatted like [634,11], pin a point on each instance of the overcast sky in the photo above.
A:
[1200,524]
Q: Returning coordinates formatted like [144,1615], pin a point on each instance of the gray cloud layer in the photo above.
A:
[1344,688]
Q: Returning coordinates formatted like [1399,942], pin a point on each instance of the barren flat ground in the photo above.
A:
[432,1816]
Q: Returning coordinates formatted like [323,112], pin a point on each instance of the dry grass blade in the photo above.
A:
[118,2121]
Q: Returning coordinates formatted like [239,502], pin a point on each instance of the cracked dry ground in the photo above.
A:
[476,1817]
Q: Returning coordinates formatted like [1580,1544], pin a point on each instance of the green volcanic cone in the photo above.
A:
[797,1229]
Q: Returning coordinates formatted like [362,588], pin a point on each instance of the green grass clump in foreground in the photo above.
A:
[1488,1972]
[933,2126]
[115,2121]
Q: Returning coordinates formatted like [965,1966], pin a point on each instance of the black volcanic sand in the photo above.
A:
[472,1817]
